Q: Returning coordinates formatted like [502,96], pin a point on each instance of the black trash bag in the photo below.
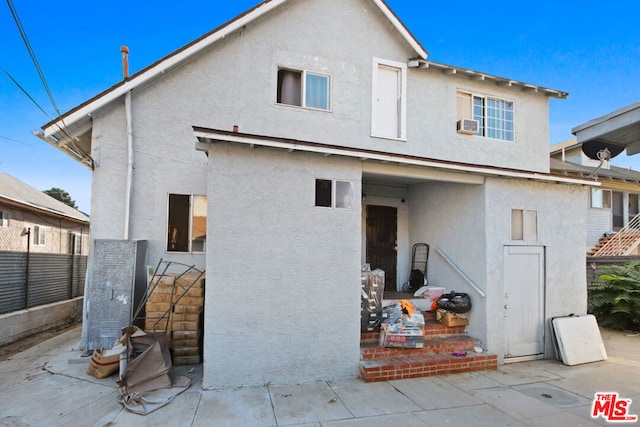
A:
[416,280]
[455,302]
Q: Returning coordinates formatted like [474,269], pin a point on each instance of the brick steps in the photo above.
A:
[424,365]
[431,346]
[435,358]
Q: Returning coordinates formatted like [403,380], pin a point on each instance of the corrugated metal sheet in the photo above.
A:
[52,278]
[12,280]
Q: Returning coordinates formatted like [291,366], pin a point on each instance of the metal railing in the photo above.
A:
[622,242]
[461,273]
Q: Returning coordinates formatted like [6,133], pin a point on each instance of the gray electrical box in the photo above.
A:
[116,289]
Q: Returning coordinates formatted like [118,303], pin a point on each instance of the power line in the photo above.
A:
[32,54]
[25,92]
[15,140]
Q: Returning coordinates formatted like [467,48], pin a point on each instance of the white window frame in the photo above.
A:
[303,88]
[346,203]
[4,219]
[483,119]
[375,114]
[39,235]
[75,243]
[600,202]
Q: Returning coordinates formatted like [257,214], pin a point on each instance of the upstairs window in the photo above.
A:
[495,116]
[187,225]
[389,103]
[600,198]
[4,219]
[303,89]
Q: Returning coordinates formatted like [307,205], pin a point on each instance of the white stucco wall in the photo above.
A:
[563,242]
[234,83]
[283,276]
[451,217]
[310,256]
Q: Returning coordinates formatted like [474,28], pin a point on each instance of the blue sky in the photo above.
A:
[587,48]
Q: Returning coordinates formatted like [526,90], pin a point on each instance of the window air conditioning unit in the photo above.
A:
[468,126]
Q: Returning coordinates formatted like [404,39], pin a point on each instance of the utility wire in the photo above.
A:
[25,92]
[32,54]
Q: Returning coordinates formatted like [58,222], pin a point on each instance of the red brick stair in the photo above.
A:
[435,358]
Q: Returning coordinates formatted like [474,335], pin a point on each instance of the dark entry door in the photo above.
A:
[382,236]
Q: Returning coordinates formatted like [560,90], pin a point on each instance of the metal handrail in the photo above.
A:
[614,245]
[461,273]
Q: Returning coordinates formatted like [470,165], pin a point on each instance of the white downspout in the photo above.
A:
[129,119]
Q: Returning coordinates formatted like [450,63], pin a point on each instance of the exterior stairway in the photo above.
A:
[622,243]
[436,358]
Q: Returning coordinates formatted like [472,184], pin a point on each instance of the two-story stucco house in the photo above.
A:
[313,149]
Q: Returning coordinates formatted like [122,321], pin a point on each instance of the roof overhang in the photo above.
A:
[43,209]
[621,128]
[207,136]
[487,78]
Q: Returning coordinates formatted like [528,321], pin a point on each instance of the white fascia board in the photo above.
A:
[290,145]
[402,29]
[161,67]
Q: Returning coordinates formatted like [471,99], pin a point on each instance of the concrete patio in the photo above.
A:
[47,385]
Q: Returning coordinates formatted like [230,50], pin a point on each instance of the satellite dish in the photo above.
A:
[601,150]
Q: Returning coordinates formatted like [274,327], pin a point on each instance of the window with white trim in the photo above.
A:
[75,243]
[389,103]
[4,219]
[187,223]
[600,198]
[304,88]
[38,235]
[495,116]
[333,194]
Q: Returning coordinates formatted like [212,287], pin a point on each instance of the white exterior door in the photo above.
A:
[387,102]
[524,300]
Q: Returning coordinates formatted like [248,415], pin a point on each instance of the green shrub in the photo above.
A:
[615,298]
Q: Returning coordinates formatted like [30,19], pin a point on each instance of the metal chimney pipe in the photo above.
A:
[125,61]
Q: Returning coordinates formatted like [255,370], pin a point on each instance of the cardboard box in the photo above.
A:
[404,338]
[450,319]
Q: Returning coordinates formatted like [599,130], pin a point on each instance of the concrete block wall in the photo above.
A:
[22,323]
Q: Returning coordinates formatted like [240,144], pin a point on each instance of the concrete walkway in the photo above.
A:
[47,385]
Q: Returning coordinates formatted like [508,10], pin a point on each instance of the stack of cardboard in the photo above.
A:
[176,304]
[187,319]
[158,306]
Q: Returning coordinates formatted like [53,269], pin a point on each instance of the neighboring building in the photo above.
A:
[32,218]
[312,149]
[614,206]
[614,203]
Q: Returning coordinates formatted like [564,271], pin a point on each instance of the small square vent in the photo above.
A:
[468,126]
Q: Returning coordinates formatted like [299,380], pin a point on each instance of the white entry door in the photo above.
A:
[524,282]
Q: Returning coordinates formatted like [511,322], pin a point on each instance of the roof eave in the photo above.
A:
[207,136]
[489,78]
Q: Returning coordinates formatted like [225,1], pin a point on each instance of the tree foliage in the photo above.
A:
[615,298]
[61,195]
